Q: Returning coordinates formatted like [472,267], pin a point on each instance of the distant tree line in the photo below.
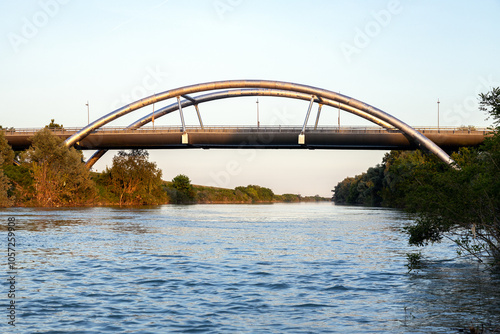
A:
[460,203]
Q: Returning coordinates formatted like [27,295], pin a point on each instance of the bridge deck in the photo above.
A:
[285,137]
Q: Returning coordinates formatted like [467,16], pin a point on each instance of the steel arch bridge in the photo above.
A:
[238,88]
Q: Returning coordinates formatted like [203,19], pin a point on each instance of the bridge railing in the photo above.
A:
[252,128]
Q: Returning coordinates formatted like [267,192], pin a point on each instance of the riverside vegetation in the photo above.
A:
[462,203]
[51,175]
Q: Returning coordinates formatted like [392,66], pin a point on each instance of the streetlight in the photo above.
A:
[339,113]
[438,114]
[258,122]
[88,112]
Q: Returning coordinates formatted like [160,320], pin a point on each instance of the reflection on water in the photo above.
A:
[301,268]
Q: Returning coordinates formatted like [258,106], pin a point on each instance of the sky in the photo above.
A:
[400,56]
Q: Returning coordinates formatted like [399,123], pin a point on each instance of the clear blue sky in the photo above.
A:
[400,56]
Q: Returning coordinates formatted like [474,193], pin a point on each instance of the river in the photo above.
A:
[277,268]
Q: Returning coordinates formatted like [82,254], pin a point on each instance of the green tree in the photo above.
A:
[184,192]
[5,200]
[404,171]
[257,193]
[490,103]
[22,188]
[465,203]
[134,179]
[6,151]
[6,160]
[461,204]
[362,189]
[59,174]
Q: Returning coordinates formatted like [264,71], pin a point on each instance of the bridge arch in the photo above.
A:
[232,94]
[313,92]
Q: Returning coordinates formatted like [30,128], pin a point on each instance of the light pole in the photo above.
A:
[438,114]
[258,122]
[88,112]
[339,114]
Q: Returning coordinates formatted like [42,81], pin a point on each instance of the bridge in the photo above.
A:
[392,134]
[262,137]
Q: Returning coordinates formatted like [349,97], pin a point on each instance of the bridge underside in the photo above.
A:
[262,138]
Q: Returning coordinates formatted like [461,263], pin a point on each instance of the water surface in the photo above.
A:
[294,268]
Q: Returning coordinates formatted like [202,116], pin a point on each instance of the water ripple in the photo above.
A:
[295,268]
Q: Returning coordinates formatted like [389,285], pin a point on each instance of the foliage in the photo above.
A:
[467,128]
[257,193]
[22,189]
[404,172]
[219,195]
[362,189]
[289,198]
[458,203]
[6,152]
[414,261]
[53,175]
[134,179]
[5,200]
[462,204]
[249,194]
[465,203]
[54,125]
[490,103]
[105,194]
[10,129]
[183,191]
[6,162]
[60,177]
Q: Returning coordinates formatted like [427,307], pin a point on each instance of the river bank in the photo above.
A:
[250,194]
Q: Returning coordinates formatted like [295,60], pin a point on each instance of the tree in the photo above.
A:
[184,192]
[362,189]
[6,151]
[464,204]
[6,159]
[257,193]
[461,204]
[342,190]
[60,176]
[4,187]
[54,125]
[490,103]
[134,179]
[404,171]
